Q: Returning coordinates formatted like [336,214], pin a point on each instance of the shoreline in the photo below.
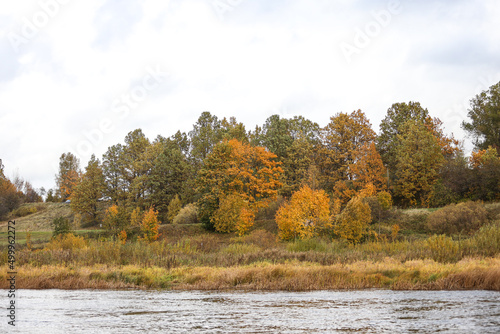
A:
[390,274]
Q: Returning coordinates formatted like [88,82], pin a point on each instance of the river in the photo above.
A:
[366,311]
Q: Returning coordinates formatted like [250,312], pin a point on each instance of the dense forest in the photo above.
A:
[335,178]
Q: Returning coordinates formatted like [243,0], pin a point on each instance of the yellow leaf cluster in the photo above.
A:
[306,214]
[233,215]
[352,224]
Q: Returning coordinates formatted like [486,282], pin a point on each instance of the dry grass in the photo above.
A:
[294,276]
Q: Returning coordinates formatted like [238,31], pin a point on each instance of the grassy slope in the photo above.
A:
[41,220]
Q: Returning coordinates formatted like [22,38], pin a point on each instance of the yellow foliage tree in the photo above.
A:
[136,217]
[233,215]
[149,226]
[352,223]
[306,214]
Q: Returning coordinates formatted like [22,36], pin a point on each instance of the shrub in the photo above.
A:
[66,241]
[415,222]
[465,217]
[187,215]
[306,214]
[61,226]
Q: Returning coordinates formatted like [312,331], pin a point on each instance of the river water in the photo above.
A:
[366,311]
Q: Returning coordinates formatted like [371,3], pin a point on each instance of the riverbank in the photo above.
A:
[469,273]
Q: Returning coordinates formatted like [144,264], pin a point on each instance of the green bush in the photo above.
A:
[187,215]
[465,218]
[61,226]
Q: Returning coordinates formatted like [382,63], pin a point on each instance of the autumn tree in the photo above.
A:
[89,190]
[484,114]
[237,168]
[305,215]
[68,176]
[32,195]
[450,146]
[234,214]
[341,138]
[149,226]
[352,223]
[418,160]
[369,168]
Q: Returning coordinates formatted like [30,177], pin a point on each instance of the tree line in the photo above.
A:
[230,173]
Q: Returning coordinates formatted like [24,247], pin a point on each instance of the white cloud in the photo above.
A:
[253,60]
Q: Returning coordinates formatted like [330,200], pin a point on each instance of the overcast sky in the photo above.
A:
[78,75]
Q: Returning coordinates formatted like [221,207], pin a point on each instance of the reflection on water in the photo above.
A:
[369,311]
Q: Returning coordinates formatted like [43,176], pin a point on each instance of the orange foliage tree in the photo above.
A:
[342,137]
[368,175]
[149,225]
[235,168]
[306,214]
